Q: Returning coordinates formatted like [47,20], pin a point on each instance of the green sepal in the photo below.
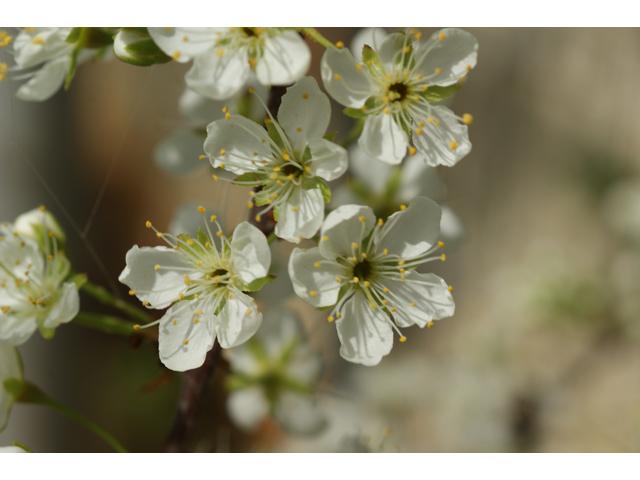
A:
[258,283]
[194,250]
[140,30]
[79,279]
[74,35]
[91,37]
[437,94]
[13,386]
[22,446]
[354,112]
[247,177]
[73,64]
[235,382]
[276,214]
[143,47]
[370,59]
[326,191]
[274,134]
[46,332]
[405,126]
[203,238]
[330,136]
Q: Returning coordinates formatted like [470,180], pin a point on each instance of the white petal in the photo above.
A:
[352,87]
[307,278]
[366,36]
[373,174]
[53,43]
[10,367]
[174,353]
[306,108]
[188,219]
[305,220]
[328,160]
[26,222]
[419,179]
[342,227]
[452,230]
[435,143]
[455,55]
[238,321]
[432,298]
[233,142]
[199,108]
[66,308]
[410,233]
[299,414]
[219,76]
[247,407]
[182,44]
[159,288]
[15,331]
[383,139]
[364,332]
[179,153]
[250,253]
[46,82]
[286,58]
[12,449]
[390,52]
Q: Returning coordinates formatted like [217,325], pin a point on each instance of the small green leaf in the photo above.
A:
[326,191]
[143,47]
[258,283]
[354,112]
[436,93]
[330,136]
[80,279]
[74,35]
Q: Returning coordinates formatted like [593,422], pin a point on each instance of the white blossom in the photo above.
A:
[33,290]
[10,367]
[391,88]
[274,373]
[365,269]
[224,57]
[290,161]
[203,284]
[12,449]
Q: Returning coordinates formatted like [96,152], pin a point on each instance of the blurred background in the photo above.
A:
[543,352]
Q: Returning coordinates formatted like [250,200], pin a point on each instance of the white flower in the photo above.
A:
[36,225]
[46,47]
[33,291]
[10,367]
[274,372]
[383,187]
[289,161]
[12,449]
[367,270]
[224,57]
[181,152]
[392,90]
[203,286]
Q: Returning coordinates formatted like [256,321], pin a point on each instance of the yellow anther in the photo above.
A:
[359,67]
[354,245]
[437,122]
[196,321]
[220,52]
[276,169]
[5,39]
[450,288]
[330,319]
[312,293]
[403,207]
[406,49]
[468,67]
[176,247]
[41,208]
[362,219]
[189,242]
[385,99]
[222,165]
[441,244]
[418,77]
[317,264]
[215,177]
[225,109]
[401,262]
[249,310]
[51,234]
[418,35]
[37,40]
[219,233]
[175,322]
[430,324]
[258,218]
[356,280]
[412,151]
[442,36]
[467,119]
[419,131]
[295,209]
[249,205]
[227,116]
[325,239]
[187,281]
[307,169]
[453,144]
[213,218]
[385,251]
[156,268]
[159,234]
[386,110]
[286,156]
[443,257]
[392,309]
[132,292]
[384,302]
[412,304]
[186,342]
[136,327]
[380,222]
[181,296]
[339,315]
[216,279]
[363,108]
[176,55]
[402,270]
[338,279]
[145,303]
[367,284]
[438,70]
[405,73]
[337,77]
[403,339]
[5,310]
[299,129]
[364,255]
[222,152]
[49,257]
[231,296]
[199,263]
[305,95]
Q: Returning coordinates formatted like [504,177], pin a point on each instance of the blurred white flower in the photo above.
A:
[274,373]
[10,367]
[393,88]
[368,273]
[223,57]
[33,291]
[12,449]
[290,161]
[203,286]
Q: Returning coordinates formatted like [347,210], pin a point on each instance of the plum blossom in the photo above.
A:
[394,86]
[290,161]
[224,57]
[365,269]
[203,284]
[274,373]
[33,290]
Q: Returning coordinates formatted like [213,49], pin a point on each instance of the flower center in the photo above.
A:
[290,169]
[362,270]
[397,92]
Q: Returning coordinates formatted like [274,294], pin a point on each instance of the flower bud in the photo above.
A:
[40,225]
[134,46]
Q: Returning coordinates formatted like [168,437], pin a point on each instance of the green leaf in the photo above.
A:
[73,63]
[330,136]
[354,112]
[143,47]
[80,279]
[74,35]
[326,191]
[13,386]
[436,93]
[274,135]
[258,283]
